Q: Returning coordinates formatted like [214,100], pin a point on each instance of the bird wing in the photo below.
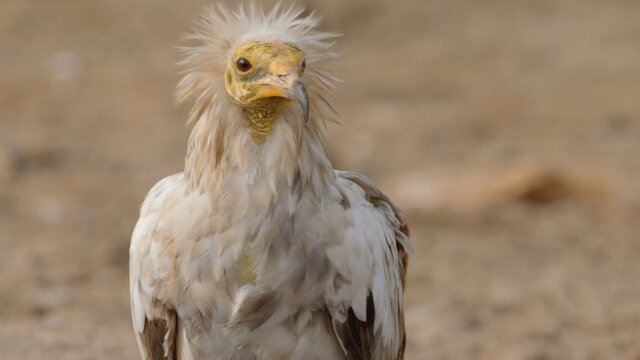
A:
[154,319]
[366,298]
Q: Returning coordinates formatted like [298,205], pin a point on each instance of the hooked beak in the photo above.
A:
[299,94]
[288,87]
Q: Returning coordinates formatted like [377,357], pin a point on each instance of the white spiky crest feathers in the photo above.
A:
[220,31]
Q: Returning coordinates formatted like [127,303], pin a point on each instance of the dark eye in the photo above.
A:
[243,64]
[303,65]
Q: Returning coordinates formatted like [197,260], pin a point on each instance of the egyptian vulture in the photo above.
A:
[260,249]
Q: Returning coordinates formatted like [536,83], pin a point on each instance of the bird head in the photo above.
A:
[263,77]
[265,64]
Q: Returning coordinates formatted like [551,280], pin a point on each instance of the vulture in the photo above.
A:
[260,249]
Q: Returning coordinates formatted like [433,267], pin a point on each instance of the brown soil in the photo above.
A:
[508,131]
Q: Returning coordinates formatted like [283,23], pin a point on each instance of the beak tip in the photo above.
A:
[302,98]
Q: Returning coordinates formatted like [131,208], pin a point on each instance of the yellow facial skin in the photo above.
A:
[268,84]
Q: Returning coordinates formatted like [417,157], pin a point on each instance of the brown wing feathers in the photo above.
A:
[158,338]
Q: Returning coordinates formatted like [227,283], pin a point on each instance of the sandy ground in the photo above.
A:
[508,131]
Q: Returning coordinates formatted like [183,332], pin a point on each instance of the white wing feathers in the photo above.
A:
[371,264]
[154,321]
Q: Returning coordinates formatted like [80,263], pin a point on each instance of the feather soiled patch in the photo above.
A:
[253,307]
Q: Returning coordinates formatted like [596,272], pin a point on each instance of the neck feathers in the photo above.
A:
[223,145]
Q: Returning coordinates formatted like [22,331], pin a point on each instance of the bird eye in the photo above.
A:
[243,64]
[304,65]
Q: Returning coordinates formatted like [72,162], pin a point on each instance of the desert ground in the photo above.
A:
[507,131]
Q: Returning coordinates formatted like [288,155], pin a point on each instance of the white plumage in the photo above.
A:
[260,249]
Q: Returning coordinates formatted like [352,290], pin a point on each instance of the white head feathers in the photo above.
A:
[220,31]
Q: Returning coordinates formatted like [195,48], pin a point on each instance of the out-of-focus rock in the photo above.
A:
[531,184]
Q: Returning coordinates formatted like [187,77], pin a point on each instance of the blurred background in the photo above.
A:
[508,131]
